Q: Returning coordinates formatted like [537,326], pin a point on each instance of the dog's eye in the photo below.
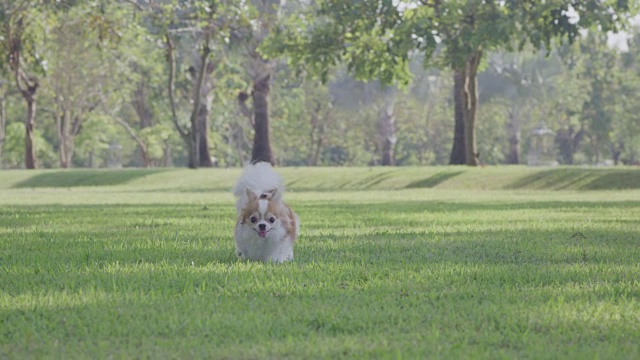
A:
[253,219]
[272,219]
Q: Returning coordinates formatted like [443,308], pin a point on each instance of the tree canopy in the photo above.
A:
[205,83]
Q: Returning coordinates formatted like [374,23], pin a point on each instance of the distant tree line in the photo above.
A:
[204,83]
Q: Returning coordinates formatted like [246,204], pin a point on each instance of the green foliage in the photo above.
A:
[564,19]
[92,144]
[156,137]
[109,53]
[626,107]
[358,34]
[23,22]
[374,39]
[423,120]
[13,150]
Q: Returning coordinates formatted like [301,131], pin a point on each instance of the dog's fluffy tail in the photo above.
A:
[261,179]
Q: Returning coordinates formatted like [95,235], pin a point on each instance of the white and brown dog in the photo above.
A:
[267,228]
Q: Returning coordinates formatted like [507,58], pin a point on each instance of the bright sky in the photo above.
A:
[619,40]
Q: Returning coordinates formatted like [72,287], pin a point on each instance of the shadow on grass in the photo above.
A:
[152,285]
[165,215]
[417,249]
[580,179]
[73,178]
[178,234]
[434,180]
[434,207]
[364,183]
[140,274]
[538,257]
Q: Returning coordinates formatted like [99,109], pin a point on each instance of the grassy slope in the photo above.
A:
[437,268]
[332,179]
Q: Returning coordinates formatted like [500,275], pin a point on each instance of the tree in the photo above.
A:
[374,40]
[516,82]
[458,149]
[467,29]
[77,83]
[261,71]
[203,25]
[146,98]
[140,94]
[425,127]
[190,135]
[3,115]
[359,41]
[386,127]
[303,119]
[19,18]
[600,67]
[626,124]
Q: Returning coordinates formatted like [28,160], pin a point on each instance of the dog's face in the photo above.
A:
[261,213]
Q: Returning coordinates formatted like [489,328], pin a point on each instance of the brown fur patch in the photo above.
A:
[251,208]
[284,213]
[291,231]
[276,208]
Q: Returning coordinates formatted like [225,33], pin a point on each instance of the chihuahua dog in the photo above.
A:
[266,229]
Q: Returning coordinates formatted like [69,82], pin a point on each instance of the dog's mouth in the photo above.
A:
[262,233]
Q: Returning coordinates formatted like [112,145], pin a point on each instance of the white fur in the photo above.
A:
[277,246]
[262,206]
[260,178]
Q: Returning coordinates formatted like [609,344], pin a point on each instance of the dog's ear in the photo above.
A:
[251,195]
[269,194]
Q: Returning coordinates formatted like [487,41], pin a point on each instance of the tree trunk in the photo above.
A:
[29,124]
[616,151]
[196,126]
[261,142]
[458,153]
[145,116]
[206,160]
[387,128]
[68,153]
[27,85]
[596,150]
[318,148]
[3,121]
[203,123]
[564,139]
[141,106]
[67,131]
[260,70]
[316,135]
[514,149]
[171,91]
[193,149]
[167,158]
[190,137]
[62,122]
[65,152]
[513,130]
[470,109]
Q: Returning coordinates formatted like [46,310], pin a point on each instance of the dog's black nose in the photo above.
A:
[262,227]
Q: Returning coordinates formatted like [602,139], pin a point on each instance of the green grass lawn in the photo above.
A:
[392,263]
